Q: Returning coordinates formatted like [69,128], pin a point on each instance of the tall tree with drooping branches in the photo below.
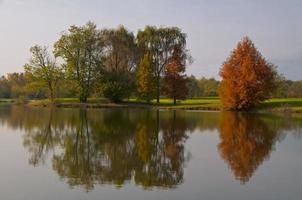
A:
[120,61]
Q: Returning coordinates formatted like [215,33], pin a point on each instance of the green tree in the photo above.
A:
[208,87]
[82,50]
[17,83]
[193,87]
[4,88]
[120,60]
[146,85]
[282,85]
[294,89]
[160,43]
[42,69]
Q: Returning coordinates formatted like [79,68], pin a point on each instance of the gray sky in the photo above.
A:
[213,27]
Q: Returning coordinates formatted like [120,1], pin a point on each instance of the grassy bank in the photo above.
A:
[6,101]
[282,105]
[293,105]
[207,103]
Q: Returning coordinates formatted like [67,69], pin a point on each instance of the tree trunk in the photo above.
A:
[174,100]
[158,89]
[83,98]
[52,98]
[51,91]
[84,95]
[157,122]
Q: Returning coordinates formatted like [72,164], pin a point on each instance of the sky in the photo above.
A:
[213,27]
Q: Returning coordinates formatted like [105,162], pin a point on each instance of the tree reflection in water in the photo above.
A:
[114,146]
[246,141]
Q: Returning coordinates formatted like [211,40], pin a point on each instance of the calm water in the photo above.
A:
[138,154]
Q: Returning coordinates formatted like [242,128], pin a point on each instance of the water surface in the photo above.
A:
[134,154]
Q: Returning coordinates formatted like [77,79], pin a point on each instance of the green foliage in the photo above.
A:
[203,87]
[287,88]
[5,90]
[294,89]
[42,71]
[208,87]
[21,100]
[160,43]
[81,48]
[117,86]
[119,63]
[67,89]
[146,85]
[114,91]
[120,50]
[193,87]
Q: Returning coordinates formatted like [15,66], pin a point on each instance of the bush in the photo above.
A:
[114,91]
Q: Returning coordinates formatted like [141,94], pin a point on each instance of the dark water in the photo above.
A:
[138,154]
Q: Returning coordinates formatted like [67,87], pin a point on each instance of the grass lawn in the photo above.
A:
[282,104]
[165,101]
[282,101]
[4,100]
[276,104]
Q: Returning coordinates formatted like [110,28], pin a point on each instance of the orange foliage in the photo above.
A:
[247,78]
[246,141]
[175,81]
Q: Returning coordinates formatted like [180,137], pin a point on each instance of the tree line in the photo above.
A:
[14,85]
[113,63]
[117,64]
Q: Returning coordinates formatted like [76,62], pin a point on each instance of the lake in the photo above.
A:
[138,154]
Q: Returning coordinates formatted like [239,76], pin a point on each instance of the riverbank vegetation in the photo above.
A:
[117,67]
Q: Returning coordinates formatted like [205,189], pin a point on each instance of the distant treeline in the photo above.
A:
[205,87]
[287,88]
[14,85]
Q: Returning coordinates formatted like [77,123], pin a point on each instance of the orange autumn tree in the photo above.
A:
[247,78]
[175,81]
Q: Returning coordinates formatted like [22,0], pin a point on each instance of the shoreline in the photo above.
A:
[281,105]
[196,107]
[129,105]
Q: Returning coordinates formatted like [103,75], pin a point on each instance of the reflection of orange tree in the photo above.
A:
[246,141]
